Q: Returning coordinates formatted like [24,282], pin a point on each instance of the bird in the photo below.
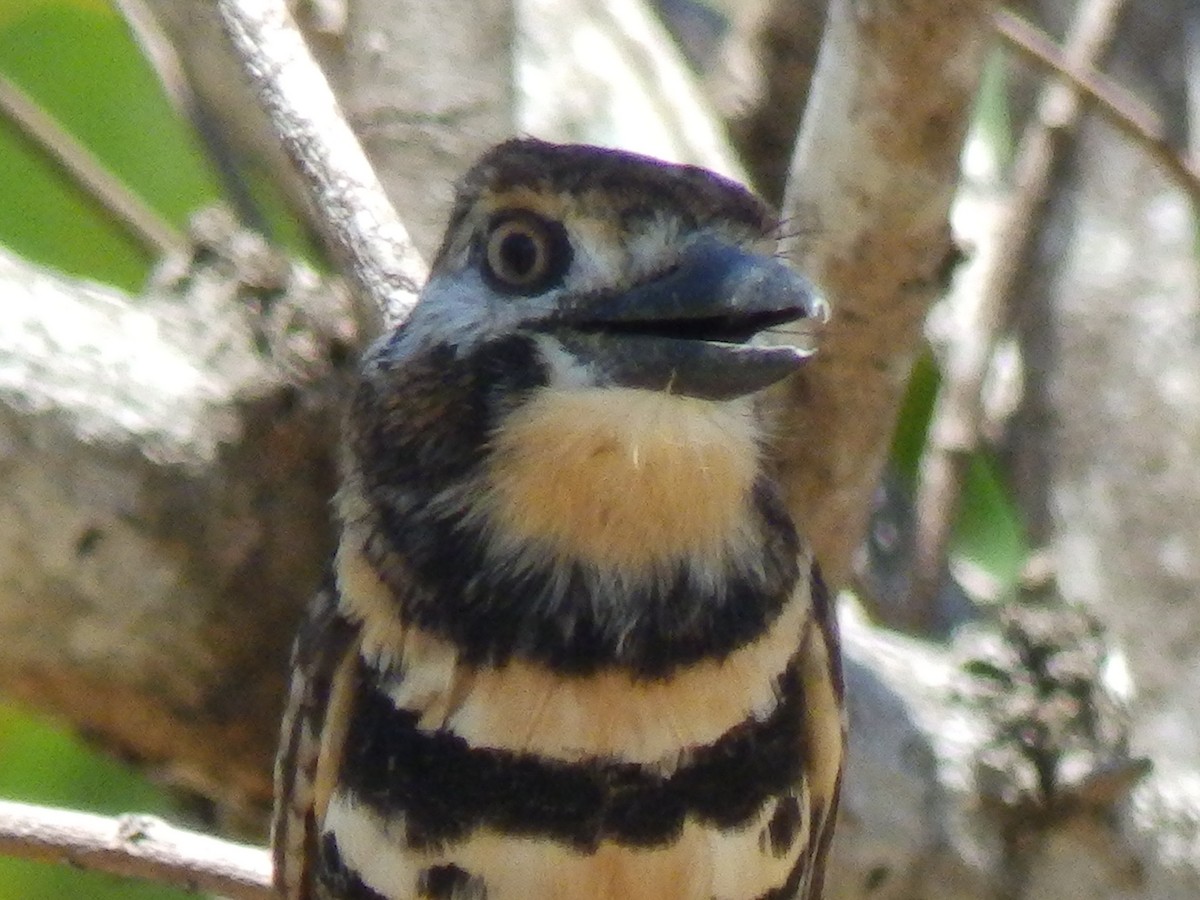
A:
[572,644]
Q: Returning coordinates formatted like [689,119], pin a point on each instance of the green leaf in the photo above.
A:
[992,117]
[77,61]
[908,443]
[989,531]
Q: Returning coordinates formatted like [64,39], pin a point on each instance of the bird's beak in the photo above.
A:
[699,329]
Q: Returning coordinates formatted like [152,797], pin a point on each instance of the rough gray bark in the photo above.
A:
[165,469]
[425,86]
[1105,448]
[917,823]
[355,214]
[867,210]
[618,80]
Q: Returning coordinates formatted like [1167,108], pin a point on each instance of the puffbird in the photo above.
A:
[573,645]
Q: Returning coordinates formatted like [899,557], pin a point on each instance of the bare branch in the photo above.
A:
[633,90]
[163,510]
[869,194]
[136,846]
[361,221]
[146,225]
[1123,109]
[958,410]
[424,109]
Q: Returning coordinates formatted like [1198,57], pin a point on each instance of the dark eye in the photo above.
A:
[525,253]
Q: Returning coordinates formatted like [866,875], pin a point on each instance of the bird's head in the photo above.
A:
[621,270]
[590,339]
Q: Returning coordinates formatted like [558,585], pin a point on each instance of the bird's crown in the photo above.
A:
[576,180]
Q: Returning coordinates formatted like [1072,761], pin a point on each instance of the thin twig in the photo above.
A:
[173,77]
[136,846]
[158,51]
[1123,109]
[146,225]
[355,212]
[958,411]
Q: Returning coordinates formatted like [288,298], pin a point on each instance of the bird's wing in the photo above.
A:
[324,671]
[825,693]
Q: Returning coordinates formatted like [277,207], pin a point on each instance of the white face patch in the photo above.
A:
[604,262]
[564,369]
[461,310]
[654,247]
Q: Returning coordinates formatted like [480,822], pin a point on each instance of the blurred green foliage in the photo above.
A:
[78,62]
[43,764]
[993,120]
[988,530]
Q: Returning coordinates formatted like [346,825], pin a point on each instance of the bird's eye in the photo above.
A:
[525,253]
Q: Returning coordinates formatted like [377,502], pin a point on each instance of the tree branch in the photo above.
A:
[919,819]
[632,90]
[1123,109]
[360,220]
[872,179]
[958,411]
[424,109]
[136,846]
[163,510]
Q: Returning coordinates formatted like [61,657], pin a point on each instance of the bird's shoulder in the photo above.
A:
[323,683]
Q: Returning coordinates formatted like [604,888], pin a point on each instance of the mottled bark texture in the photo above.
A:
[868,203]
[1105,447]
[166,470]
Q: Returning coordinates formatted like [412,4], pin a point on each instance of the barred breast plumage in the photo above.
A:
[572,645]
